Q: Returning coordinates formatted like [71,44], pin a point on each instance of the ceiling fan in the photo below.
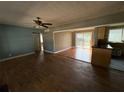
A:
[40,23]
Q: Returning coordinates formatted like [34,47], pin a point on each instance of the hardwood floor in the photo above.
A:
[82,54]
[53,72]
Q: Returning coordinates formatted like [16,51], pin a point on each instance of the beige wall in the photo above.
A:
[62,40]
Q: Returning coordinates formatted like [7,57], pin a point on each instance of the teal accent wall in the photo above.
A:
[15,40]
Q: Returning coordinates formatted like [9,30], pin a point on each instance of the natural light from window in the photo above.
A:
[116,35]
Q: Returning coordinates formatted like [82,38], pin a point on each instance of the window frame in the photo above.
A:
[122,34]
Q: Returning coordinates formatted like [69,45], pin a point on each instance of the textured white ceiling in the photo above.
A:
[62,12]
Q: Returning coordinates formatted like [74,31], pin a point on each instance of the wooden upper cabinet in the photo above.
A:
[100,33]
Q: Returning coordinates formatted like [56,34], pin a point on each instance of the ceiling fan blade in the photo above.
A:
[34,20]
[38,22]
[44,26]
[46,23]
[38,18]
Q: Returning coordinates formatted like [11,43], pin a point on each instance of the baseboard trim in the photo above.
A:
[47,51]
[62,50]
[5,59]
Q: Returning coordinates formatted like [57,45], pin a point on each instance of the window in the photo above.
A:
[116,35]
[83,39]
[123,36]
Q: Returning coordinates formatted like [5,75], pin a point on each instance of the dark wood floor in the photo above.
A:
[52,72]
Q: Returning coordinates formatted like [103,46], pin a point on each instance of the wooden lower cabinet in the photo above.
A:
[101,57]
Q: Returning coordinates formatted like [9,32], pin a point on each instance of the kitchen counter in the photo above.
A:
[101,56]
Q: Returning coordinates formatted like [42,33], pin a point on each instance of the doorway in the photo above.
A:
[84,39]
[41,41]
[38,42]
[83,43]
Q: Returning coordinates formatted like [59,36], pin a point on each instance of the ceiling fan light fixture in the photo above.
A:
[37,27]
[47,30]
[40,23]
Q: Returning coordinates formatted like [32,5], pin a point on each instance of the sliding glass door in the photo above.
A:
[84,39]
